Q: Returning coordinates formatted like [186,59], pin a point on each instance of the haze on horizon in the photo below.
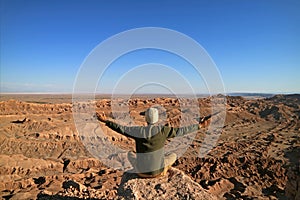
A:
[254,44]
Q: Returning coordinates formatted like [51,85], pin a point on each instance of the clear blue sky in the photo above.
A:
[254,43]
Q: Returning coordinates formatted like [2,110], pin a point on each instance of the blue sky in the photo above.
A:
[255,44]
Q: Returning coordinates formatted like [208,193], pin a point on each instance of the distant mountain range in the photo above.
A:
[245,94]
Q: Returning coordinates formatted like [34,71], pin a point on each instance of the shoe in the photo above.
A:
[169,161]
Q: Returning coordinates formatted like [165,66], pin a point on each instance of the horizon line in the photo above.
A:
[215,93]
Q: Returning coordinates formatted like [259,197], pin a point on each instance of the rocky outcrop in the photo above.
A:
[175,185]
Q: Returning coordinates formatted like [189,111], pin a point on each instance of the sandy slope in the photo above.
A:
[256,156]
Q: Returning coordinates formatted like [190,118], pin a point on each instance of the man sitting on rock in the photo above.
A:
[150,161]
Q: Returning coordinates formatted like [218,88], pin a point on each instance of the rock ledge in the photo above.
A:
[176,185]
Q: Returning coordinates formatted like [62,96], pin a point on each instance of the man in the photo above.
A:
[150,160]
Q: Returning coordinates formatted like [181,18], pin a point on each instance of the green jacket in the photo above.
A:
[150,141]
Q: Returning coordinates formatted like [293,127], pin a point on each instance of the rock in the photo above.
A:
[70,184]
[25,195]
[221,187]
[175,185]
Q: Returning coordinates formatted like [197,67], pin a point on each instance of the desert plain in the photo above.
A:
[256,156]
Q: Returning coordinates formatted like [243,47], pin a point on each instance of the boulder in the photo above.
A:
[175,185]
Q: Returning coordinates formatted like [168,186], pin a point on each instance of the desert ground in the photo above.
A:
[256,155]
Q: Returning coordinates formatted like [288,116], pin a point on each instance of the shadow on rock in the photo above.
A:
[123,191]
[292,188]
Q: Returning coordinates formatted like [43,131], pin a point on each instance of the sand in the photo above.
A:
[256,156]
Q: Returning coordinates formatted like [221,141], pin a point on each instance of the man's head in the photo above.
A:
[151,115]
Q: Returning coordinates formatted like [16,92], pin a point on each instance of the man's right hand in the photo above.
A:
[101,117]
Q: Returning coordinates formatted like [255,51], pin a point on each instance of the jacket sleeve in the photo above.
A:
[124,130]
[174,132]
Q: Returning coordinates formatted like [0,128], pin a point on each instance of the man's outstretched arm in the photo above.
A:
[174,132]
[124,130]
